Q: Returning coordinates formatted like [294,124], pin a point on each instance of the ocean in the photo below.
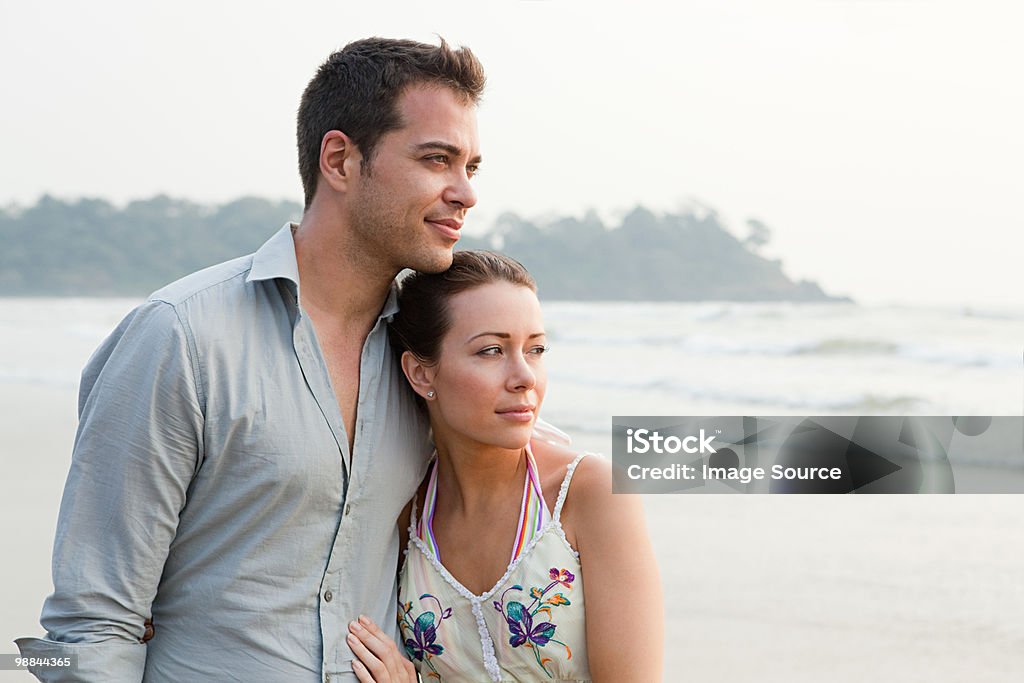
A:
[674,358]
[757,588]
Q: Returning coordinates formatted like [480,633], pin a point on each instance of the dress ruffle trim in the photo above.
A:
[486,644]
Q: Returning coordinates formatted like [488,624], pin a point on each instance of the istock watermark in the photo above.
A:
[847,454]
[651,441]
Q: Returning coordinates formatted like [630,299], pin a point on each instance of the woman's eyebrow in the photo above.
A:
[503,335]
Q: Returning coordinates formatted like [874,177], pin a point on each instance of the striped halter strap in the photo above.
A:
[533,513]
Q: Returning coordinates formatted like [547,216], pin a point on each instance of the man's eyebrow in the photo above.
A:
[454,150]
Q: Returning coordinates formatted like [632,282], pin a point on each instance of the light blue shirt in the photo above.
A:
[212,488]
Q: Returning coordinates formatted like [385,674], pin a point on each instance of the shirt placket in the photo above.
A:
[314,370]
[336,603]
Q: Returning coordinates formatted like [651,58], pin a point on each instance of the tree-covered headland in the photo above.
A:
[90,247]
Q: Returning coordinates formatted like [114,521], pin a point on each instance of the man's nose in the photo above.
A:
[461,192]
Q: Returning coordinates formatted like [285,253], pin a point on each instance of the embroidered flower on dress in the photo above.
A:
[422,645]
[520,617]
[557,599]
[520,623]
[562,576]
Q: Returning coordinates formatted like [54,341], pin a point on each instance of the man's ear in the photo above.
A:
[420,376]
[339,160]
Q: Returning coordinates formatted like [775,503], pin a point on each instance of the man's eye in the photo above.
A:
[472,170]
[438,158]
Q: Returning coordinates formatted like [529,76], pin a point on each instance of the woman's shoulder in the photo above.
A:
[554,461]
[590,484]
[590,508]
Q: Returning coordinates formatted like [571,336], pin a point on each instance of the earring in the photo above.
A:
[430,394]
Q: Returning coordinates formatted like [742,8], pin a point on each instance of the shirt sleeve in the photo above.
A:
[139,443]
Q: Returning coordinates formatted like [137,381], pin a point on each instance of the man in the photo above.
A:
[245,442]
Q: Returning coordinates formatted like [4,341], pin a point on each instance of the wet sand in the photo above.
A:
[757,588]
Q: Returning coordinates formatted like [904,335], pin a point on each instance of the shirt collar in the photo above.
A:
[391,303]
[276,259]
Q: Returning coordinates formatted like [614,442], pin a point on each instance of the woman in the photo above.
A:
[503,555]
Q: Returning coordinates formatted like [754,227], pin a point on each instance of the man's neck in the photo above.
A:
[334,281]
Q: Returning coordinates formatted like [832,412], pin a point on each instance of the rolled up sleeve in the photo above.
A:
[111,661]
[138,446]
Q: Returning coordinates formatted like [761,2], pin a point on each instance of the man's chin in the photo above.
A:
[435,263]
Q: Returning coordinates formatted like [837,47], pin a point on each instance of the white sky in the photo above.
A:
[881,141]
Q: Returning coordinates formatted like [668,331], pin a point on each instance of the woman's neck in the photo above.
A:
[474,478]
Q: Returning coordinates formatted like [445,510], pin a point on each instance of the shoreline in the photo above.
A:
[838,588]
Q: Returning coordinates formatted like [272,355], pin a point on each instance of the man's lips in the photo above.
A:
[450,222]
[449,227]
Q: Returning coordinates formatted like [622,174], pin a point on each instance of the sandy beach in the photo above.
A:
[757,588]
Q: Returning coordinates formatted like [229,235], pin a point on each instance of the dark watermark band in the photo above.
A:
[848,454]
[38,665]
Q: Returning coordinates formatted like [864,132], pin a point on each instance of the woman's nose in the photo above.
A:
[521,375]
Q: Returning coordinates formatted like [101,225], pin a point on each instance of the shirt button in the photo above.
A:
[328,595]
[348,509]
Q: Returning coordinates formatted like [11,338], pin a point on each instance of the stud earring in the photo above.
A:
[430,394]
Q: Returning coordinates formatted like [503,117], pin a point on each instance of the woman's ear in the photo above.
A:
[420,376]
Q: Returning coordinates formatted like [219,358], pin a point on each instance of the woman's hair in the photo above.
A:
[423,316]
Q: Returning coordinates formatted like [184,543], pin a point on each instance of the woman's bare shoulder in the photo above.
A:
[551,455]
[589,497]
[592,472]
[591,485]
[553,461]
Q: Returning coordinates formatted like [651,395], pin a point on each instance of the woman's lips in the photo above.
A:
[524,414]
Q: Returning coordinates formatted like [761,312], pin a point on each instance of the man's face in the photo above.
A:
[408,209]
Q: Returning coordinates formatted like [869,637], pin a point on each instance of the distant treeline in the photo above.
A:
[91,247]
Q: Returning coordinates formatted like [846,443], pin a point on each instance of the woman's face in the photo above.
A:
[489,381]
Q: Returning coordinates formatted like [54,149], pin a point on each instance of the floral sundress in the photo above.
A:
[530,626]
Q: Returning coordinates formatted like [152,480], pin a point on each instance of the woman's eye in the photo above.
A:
[490,351]
[539,350]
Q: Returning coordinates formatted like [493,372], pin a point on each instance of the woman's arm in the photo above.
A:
[621,583]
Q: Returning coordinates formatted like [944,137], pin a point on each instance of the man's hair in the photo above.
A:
[356,91]
[424,314]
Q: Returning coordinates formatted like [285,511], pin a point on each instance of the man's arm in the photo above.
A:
[138,446]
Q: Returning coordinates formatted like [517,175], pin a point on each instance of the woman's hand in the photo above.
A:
[378,659]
